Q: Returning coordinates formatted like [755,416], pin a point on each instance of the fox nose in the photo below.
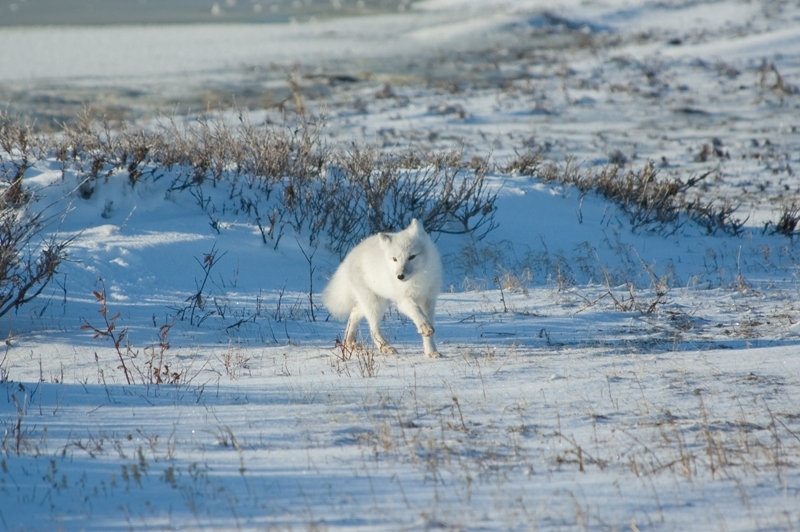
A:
[401,276]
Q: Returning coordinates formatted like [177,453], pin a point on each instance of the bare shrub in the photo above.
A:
[526,163]
[787,221]
[372,192]
[156,369]
[641,195]
[88,149]
[196,310]
[108,329]
[287,178]
[19,148]
[27,264]
[96,152]
[649,201]
[715,216]
[770,78]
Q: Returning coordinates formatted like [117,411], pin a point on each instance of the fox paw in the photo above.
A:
[433,354]
[426,330]
[386,349]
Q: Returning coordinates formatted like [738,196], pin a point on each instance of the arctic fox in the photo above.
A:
[402,267]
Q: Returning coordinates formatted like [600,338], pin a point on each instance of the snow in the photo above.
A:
[552,408]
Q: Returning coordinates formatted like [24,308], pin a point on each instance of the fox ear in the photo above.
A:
[414,225]
[385,240]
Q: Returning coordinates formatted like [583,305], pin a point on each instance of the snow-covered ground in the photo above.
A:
[595,376]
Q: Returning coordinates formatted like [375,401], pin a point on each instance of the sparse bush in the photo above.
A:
[629,302]
[770,78]
[156,369]
[715,217]
[788,220]
[372,192]
[649,201]
[109,330]
[526,163]
[17,147]
[287,177]
[646,199]
[26,265]
[94,149]
[195,308]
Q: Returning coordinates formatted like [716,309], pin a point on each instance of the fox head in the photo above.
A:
[403,250]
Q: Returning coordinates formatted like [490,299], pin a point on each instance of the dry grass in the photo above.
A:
[360,356]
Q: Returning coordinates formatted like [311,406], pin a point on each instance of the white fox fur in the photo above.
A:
[402,267]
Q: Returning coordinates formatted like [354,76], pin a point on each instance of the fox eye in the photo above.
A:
[411,257]
[394,259]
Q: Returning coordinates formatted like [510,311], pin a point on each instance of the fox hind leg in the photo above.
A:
[351,331]
[373,309]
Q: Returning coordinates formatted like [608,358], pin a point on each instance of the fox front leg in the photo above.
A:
[428,343]
[410,308]
[423,319]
